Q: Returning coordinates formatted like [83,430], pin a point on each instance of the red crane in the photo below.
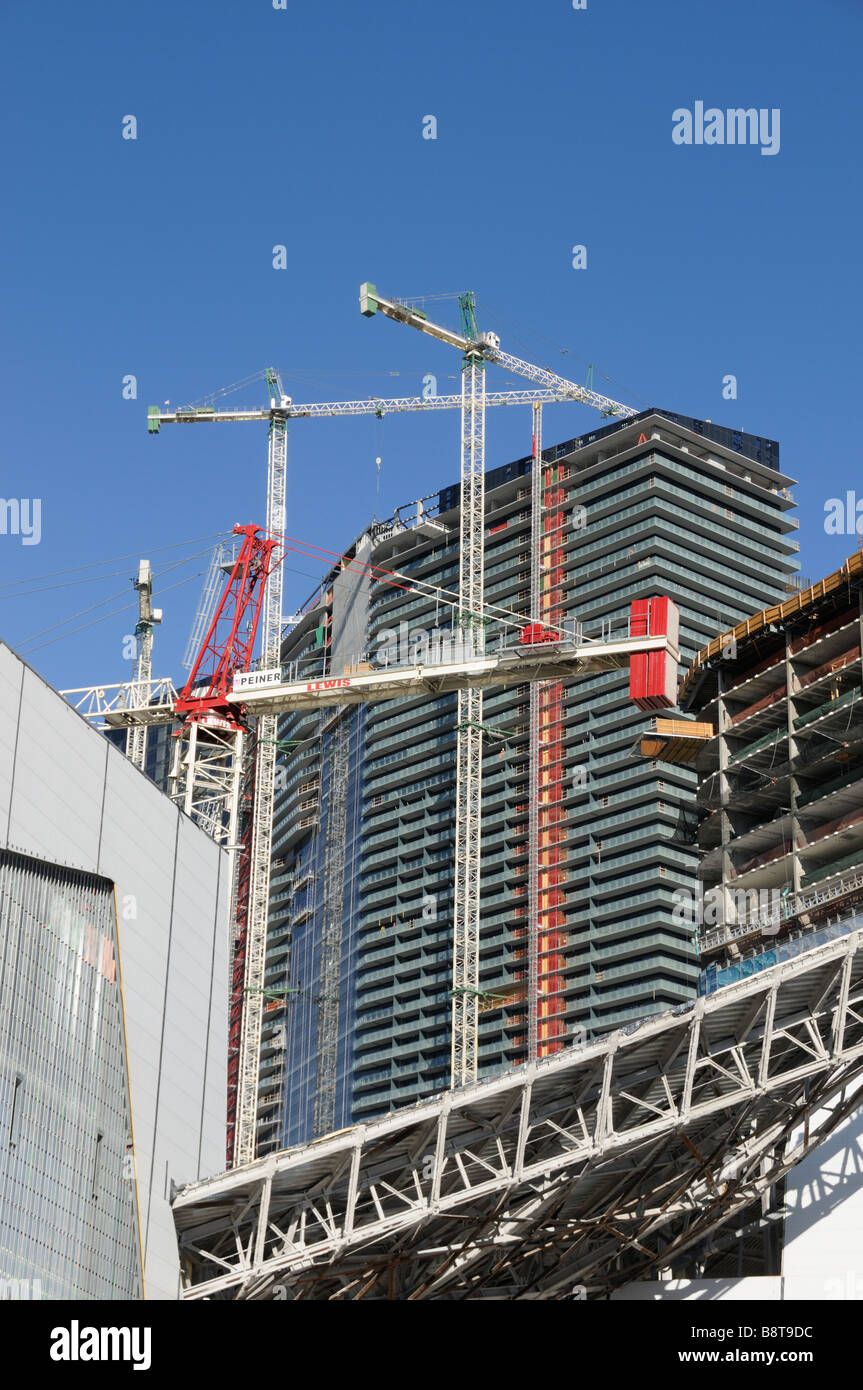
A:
[230,640]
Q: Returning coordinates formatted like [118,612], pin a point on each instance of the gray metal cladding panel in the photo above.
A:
[76,799]
[11,678]
[172,911]
[68,1213]
[59,777]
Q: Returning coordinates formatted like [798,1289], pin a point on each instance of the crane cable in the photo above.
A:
[505,616]
[25,642]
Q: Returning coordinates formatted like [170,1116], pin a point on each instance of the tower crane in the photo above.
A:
[127,707]
[263,794]
[148,616]
[206,777]
[281,409]
[478,350]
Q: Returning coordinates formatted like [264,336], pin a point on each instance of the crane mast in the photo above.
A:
[263,796]
[477,350]
[242,1105]
[468,799]
[148,616]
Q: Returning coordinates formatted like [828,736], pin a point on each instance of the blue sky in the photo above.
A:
[303,127]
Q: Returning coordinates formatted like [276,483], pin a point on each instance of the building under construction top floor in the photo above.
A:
[777,742]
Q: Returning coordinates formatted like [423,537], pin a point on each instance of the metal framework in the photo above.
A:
[126,703]
[207,763]
[263,801]
[136,734]
[239,922]
[205,776]
[477,350]
[329,1000]
[213,584]
[207,766]
[569,1176]
[548,960]
[546,872]
[372,405]
[468,792]
[488,345]
[262,692]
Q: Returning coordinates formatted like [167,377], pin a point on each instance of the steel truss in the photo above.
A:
[136,734]
[205,776]
[126,704]
[380,406]
[583,1171]
[264,795]
[468,794]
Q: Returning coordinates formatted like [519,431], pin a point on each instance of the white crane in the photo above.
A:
[477,350]
[281,409]
[148,616]
[126,709]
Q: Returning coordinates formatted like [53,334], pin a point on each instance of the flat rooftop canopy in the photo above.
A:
[561,1179]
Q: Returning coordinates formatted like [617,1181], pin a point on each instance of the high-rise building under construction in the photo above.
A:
[583,842]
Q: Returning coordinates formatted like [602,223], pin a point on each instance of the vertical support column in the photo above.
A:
[136,736]
[723,723]
[232,840]
[191,767]
[237,958]
[468,811]
[792,685]
[263,805]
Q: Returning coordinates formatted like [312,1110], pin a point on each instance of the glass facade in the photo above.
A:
[68,1192]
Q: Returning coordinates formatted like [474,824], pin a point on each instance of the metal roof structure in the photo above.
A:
[561,1179]
[262,692]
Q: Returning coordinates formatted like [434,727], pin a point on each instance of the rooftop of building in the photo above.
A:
[751,457]
[752,460]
